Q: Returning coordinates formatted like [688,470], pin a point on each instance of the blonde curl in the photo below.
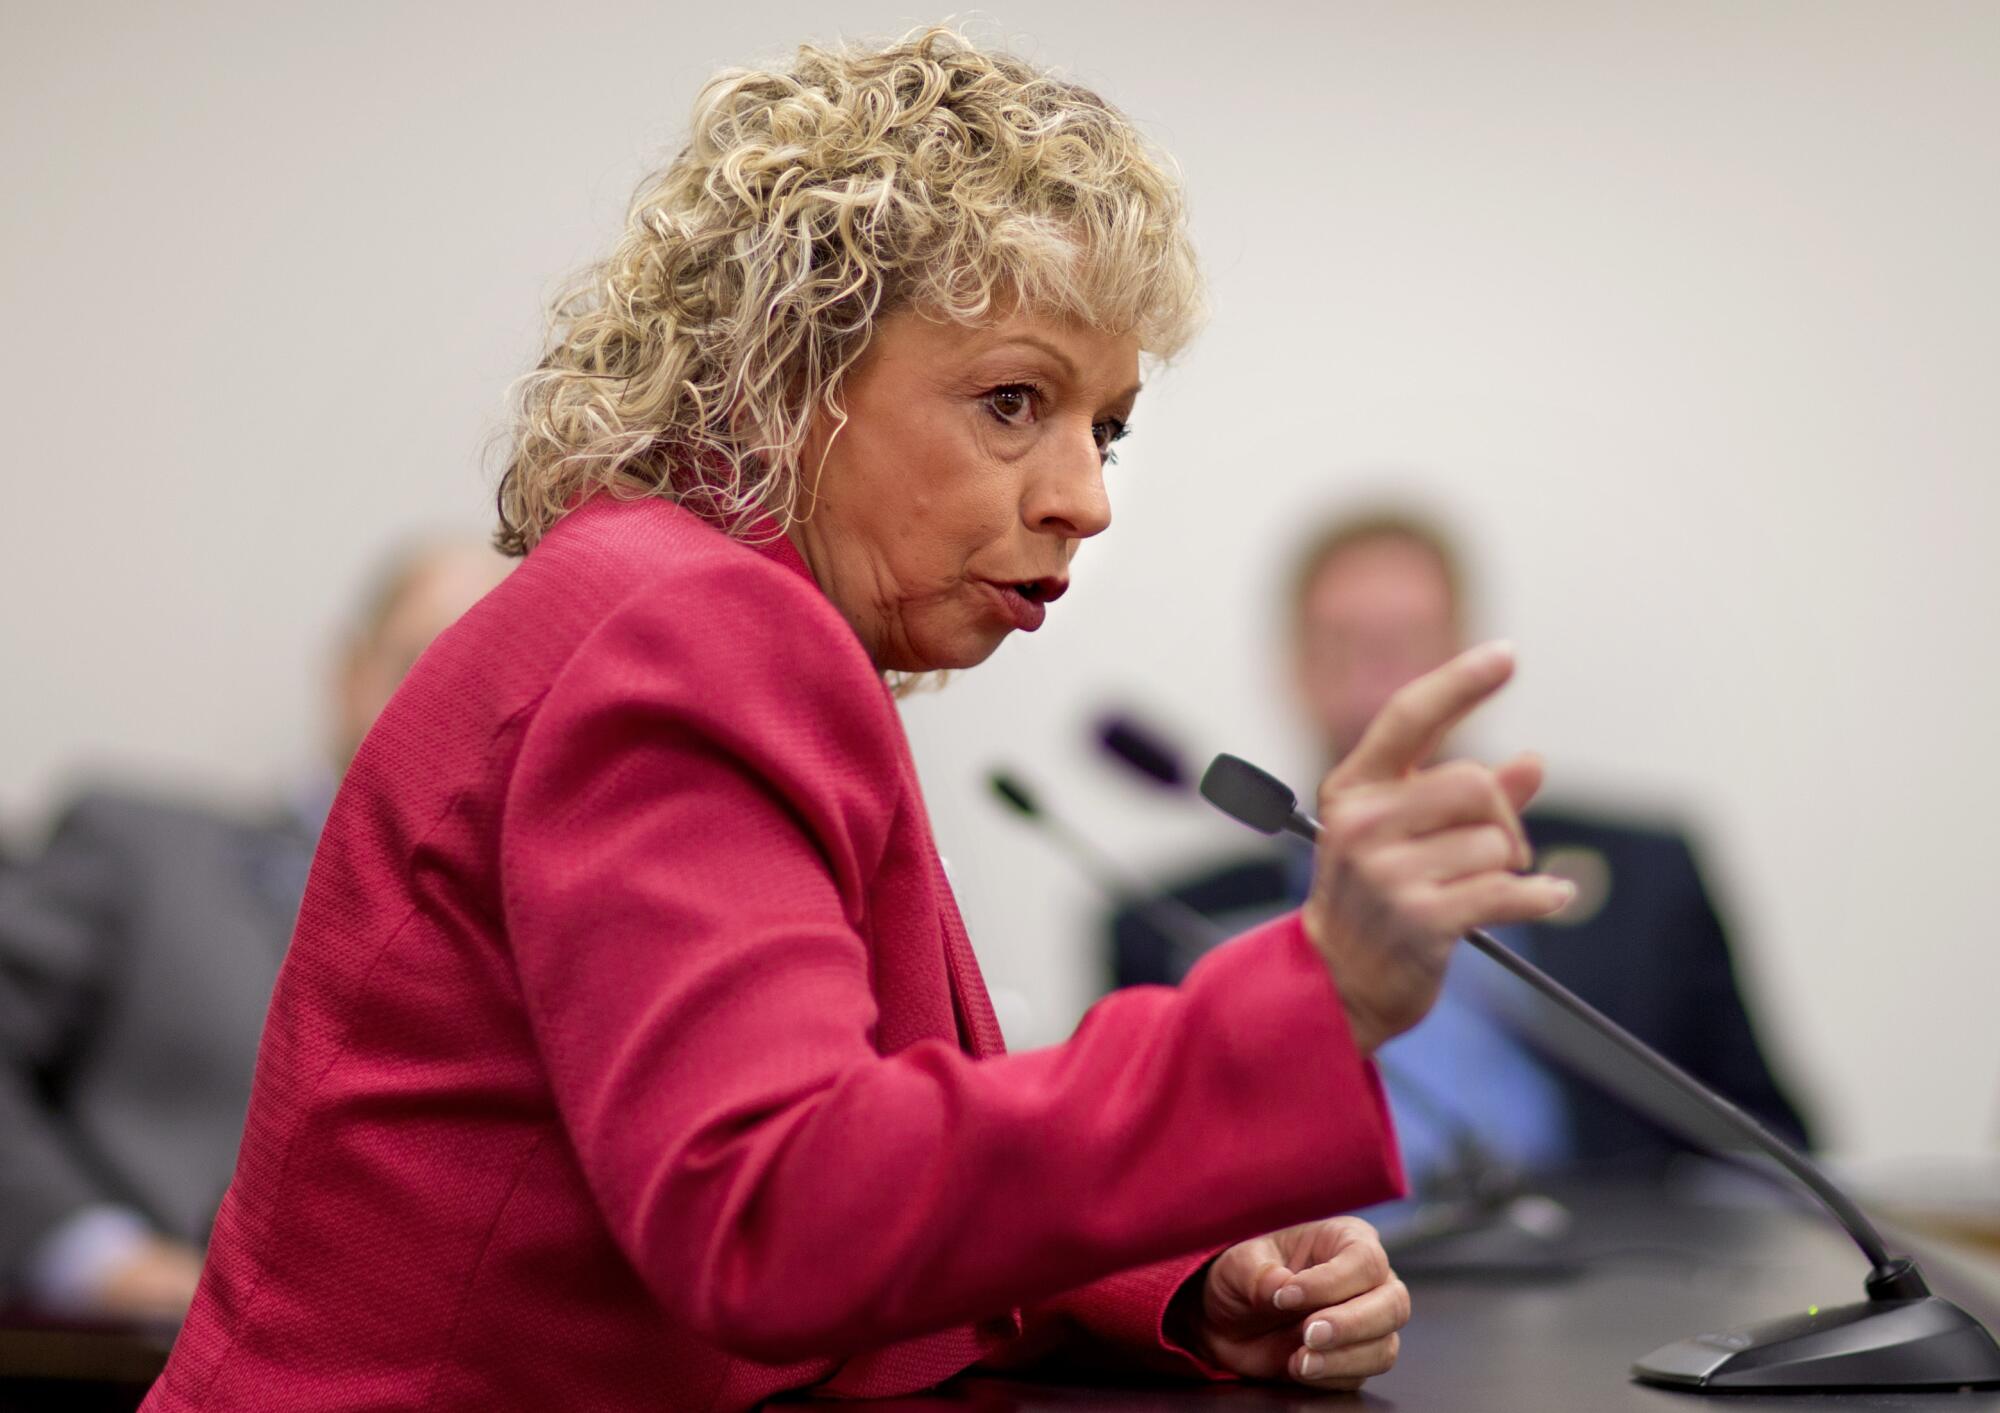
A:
[808,203]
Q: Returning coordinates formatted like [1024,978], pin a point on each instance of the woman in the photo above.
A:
[630,1052]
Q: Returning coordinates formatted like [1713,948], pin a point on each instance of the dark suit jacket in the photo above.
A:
[1653,955]
[137,954]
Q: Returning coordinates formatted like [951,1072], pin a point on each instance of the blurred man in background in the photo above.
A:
[1376,601]
[137,956]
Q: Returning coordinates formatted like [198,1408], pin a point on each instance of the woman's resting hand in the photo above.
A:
[1316,1303]
[1411,856]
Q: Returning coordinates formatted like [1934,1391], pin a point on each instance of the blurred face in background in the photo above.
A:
[424,595]
[1375,615]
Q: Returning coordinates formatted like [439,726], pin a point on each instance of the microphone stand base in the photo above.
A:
[1926,1343]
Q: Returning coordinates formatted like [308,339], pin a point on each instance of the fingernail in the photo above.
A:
[1310,1366]
[1319,1334]
[1498,650]
[1289,1297]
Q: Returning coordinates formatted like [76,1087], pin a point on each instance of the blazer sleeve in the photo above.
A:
[55,924]
[1117,1323]
[690,831]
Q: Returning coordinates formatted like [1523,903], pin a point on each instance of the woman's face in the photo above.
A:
[943,514]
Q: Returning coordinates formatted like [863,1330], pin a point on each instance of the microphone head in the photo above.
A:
[1017,795]
[1248,795]
[1144,751]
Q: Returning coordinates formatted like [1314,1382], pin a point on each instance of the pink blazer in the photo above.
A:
[630,1052]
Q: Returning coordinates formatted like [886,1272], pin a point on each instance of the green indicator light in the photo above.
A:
[1812,1309]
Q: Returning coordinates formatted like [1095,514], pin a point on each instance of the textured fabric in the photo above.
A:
[631,1054]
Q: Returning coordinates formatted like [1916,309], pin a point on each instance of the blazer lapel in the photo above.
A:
[979,1026]
[979,1029]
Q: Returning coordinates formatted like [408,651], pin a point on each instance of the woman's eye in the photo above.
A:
[1013,404]
[1105,433]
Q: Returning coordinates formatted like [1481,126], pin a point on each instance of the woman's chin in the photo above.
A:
[952,652]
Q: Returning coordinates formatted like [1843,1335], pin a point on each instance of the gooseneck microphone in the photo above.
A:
[1901,1336]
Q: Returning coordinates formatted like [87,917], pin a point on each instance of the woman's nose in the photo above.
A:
[1068,499]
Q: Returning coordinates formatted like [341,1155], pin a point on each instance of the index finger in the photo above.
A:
[1409,727]
[1351,1271]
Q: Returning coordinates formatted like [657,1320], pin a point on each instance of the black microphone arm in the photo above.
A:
[1901,1336]
[1265,803]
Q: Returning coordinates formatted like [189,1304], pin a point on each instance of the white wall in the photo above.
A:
[1687,311]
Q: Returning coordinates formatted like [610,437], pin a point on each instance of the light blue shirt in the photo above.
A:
[1464,1071]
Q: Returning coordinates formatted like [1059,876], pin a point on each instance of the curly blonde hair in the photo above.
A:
[808,203]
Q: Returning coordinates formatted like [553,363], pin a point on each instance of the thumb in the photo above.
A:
[1270,1281]
[1240,1295]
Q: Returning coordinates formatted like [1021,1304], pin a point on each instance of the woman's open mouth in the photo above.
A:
[1026,601]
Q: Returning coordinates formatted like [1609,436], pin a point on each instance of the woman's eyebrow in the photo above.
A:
[1036,341]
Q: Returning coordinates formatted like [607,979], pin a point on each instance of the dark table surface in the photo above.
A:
[49,1365]
[1653,1268]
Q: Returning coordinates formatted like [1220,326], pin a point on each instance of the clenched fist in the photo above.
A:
[1316,1303]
